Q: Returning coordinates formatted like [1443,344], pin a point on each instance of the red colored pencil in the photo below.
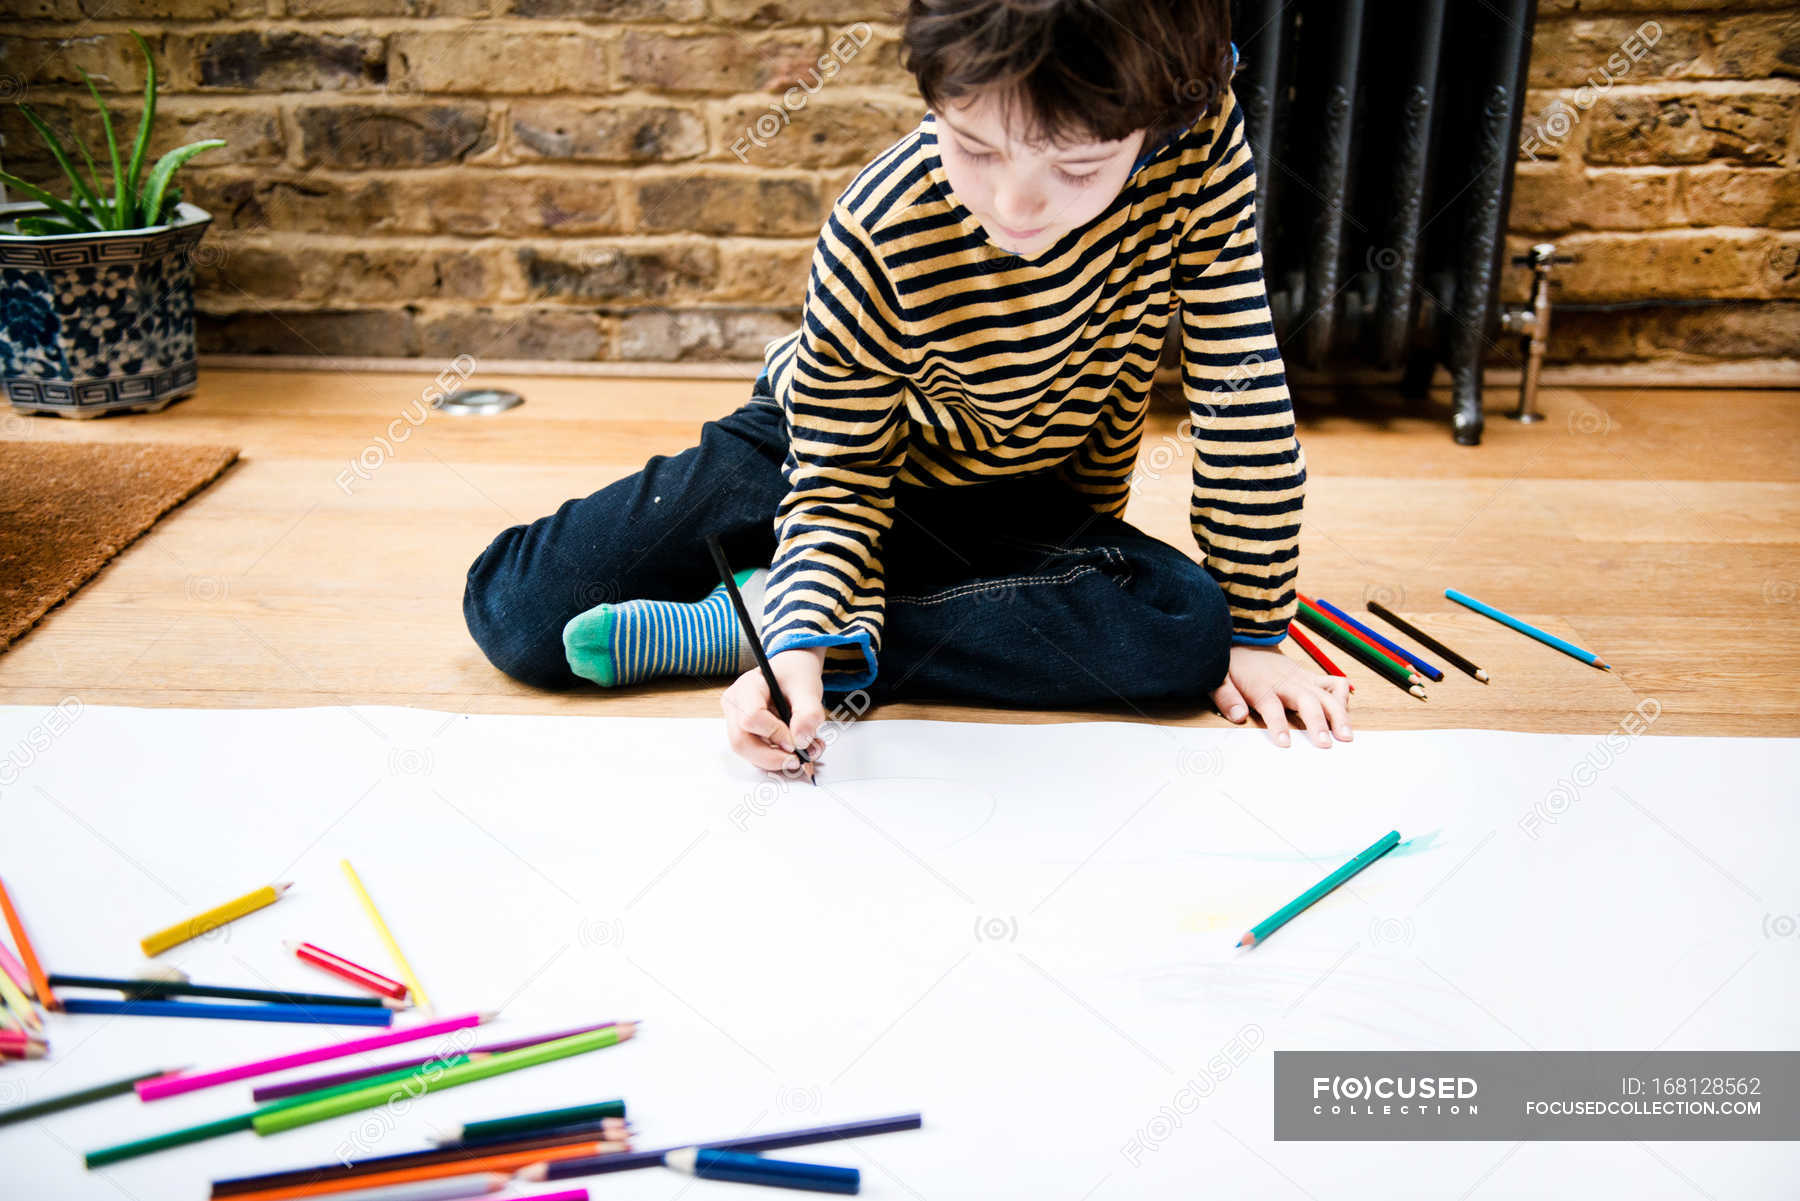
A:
[1312,648]
[1379,652]
[39,983]
[337,965]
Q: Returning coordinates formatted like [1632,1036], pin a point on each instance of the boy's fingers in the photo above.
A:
[1312,716]
[1274,715]
[1230,701]
[1336,699]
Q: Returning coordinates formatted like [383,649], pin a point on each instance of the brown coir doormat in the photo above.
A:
[68,507]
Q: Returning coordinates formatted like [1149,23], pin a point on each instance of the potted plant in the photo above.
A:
[97,292]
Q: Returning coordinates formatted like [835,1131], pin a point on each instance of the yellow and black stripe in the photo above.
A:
[929,356]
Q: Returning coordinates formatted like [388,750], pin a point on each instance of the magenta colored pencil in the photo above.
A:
[568,1194]
[187,1082]
[9,963]
[292,1088]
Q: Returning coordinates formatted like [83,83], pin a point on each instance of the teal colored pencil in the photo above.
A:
[1529,630]
[1279,918]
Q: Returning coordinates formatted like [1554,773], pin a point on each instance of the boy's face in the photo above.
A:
[1026,197]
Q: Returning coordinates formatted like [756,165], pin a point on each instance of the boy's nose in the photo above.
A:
[1018,210]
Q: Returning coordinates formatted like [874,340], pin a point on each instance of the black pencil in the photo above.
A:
[1405,627]
[154,990]
[776,698]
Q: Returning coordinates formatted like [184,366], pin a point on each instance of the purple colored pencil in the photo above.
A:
[620,1161]
[290,1088]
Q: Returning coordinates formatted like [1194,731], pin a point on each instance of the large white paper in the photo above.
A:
[1026,932]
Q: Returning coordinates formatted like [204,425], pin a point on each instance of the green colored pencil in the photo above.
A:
[517,1123]
[83,1096]
[421,1083]
[1316,621]
[1279,918]
[237,1121]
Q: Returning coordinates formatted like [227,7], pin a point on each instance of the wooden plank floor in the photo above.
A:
[1656,527]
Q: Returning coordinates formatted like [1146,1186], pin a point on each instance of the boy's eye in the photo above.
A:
[1077,179]
[978,156]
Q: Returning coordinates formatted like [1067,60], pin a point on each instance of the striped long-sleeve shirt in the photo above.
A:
[929,356]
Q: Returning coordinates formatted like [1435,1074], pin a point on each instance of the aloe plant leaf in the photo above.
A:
[165,168]
[39,226]
[145,120]
[74,215]
[121,202]
[82,194]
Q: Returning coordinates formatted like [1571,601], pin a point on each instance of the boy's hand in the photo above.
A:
[1271,683]
[751,726]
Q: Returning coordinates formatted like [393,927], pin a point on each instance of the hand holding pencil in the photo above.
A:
[775,708]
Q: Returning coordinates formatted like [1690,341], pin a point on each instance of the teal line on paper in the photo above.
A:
[1412,846]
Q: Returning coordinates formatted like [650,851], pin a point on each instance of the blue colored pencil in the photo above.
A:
[323,1015]
[713,1164]
[1529,630]
[1431,673]
[1279,918]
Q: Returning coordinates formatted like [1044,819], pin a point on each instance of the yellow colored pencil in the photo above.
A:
[387,936]
[212,919]
[17,1004]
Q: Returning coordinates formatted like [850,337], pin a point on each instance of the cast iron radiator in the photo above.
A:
[1384,135]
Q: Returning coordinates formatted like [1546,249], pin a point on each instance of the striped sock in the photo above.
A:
[643,639]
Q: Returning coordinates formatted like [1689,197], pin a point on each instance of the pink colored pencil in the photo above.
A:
[9,963]
[290,1088]
[346,969]
[187,1082]
[568,1194]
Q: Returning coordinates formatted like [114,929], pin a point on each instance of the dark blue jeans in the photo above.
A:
[1013,592]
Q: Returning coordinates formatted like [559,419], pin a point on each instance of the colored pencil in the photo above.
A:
[205,1130]
[1434,674]
[18,1004]
[322,1015]
[1529,630]
[212,919]
[567,1194]
[1357,650]
[1280,917]
[1307,602]
[1318,656]
[777,699]
[159,989]
[81,1096]
[9,1018]
[387,937]
[369,1098]
[524,1149]
[347,969]
[543,1118]
[504,1162]
[173,1086]
[14,1045]
[772,1141]
[710,1163]
[39,984]
[287,1088]
[1426,640]
[15,971]
[569,1132]
[444,1189]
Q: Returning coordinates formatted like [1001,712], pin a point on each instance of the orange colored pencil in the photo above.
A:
[39,984]
[509,1162]
[1312,648]
[1379,651]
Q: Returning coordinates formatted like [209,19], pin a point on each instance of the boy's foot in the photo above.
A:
[643,639]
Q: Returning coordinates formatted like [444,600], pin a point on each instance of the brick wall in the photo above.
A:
[635,180]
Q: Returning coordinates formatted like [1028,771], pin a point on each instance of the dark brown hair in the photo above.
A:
[1079,69]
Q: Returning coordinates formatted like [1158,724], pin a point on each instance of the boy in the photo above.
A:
[934,464]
